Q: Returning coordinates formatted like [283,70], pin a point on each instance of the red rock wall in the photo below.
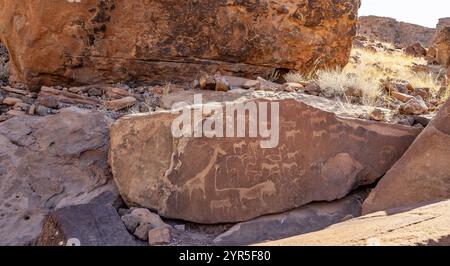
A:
[92,41]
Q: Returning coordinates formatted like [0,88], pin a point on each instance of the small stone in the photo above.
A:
[42,110]
[32,109]
[145,216]
[21,106]
[207,83]
[265,85]
[422,92]
[116,93]
[416,50]
[313,88]
[33,95]
[293,87]
[353,92]
[221,84]
[403,97]
[377,115]
[180,227]
[120,104]
[415,106]
[95,92]
[131,223]
[159,236]
[142,231]
[11,101]
[196,84]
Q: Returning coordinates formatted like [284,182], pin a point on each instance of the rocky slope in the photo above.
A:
[443,22]
[392,31]
[93,41]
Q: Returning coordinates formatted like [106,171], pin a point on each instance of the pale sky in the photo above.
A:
[421,12]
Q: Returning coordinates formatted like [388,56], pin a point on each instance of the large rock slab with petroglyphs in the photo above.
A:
[93,41]
[319,157]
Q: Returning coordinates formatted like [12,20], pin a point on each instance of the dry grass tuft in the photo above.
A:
[294,77]
[366,72]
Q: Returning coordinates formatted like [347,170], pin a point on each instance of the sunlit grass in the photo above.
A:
[365,74]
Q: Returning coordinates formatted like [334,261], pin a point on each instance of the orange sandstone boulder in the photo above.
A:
[442,43]
[92,41]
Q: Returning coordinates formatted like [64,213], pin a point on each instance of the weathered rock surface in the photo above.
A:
[140,221]
[47,163]
[427,225]
[443,22]
[93,41]
[306,219]
[423,172]
[393,31]
[416,50]
[320,157]
[93,224]
[442,43]
[159,236]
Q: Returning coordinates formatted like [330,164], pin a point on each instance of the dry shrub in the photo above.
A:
[369,70]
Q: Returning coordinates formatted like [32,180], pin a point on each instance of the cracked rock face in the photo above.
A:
[47,163]
[423,172]
[414,226]
[93,41]
[320,157]
[442,43]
